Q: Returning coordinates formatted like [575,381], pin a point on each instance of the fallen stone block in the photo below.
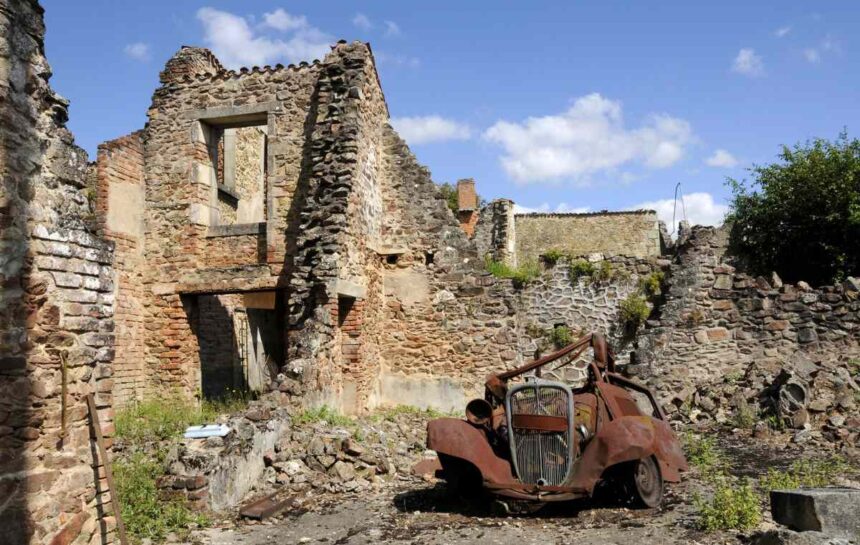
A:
[788,537]
[833,511]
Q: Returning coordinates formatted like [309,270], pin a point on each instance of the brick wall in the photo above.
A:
[119,174]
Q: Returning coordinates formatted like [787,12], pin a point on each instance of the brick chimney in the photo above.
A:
[467,205]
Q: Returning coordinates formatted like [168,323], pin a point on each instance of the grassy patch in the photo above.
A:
[523,274]
[734,506]
[561,336]
[144,513]
[808,473]
[604,273]
[652,285]
[323,413]
[634,310]
[744,416]
[390,414]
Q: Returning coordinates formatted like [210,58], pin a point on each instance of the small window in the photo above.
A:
[428,258]
[392,259]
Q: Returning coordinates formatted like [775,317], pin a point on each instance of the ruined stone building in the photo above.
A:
[268,229]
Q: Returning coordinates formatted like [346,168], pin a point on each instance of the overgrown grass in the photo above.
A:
[323,413]
[166,418]
[603,273]
[735,505]
[390,414]
[144,512]
[523,274]
[552,256]
[652,285]
[634,310]
[808,473]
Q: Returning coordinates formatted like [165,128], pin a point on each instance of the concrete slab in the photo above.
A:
[833,511]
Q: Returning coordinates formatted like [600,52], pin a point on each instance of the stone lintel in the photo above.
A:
[235,230]
[246,113]
[349,289]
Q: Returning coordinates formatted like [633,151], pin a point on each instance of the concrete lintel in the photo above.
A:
[349,289]
[236,230]
[235,114]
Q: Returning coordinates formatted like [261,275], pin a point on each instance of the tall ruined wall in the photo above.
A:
[635,234]
[120,217]
[56,305]
[186,251]
[494,234]
[718,322]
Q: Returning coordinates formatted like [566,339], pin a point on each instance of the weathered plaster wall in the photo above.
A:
[120,217]
[635,234]
[56,305]
[717,321]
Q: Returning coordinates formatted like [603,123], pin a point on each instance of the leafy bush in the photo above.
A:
[634,310]
[521,275]
[580,268]
[734,506]
[552,256]
[561,336]
[801,215]
[652,285]
[810,473]
[145,514]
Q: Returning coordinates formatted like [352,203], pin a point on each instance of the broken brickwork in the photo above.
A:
[56,307]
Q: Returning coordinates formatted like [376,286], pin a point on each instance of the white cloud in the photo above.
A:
[589,137]
[397,59]
[430,128]
[138,51]
[561,208]
[281,20]
[781,32]
[814,54]
[701,209]
[361,21]
[237,44]
[391,28]
[748,63]
[721,159]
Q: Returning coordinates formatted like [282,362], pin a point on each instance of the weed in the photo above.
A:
[323,413]
[580,268]
[775,422]
[634,310]
[734,506]
[733,376]
[390,414]
[561,336]
[145,514]
[702,452]
[652,285]
[744,415]
[552,256]
[603,273]
[809,473]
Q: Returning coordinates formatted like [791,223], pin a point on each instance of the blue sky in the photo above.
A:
[556,105]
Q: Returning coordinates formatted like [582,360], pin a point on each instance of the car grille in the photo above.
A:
[540,456]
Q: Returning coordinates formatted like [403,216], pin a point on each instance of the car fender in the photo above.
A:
[460,439]
[626,439]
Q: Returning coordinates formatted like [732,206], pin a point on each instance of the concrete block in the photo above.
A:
[833,511]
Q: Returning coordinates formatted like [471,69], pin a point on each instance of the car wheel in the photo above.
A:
[464,479]
[647,482]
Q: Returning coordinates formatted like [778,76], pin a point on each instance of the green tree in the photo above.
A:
[801,215]
[449,193]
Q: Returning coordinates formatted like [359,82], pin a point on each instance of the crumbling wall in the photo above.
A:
[56,306]
[120,214]
[718,322]
[634,233]
[495,235]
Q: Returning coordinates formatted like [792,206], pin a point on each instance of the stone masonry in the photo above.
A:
[56,307]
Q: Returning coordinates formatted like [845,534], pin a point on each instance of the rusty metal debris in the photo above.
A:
[267,506]
[542,440]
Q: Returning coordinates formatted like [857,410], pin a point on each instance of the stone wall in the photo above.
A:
[634,233]
[119,212]
[717,322]
[494,234]
[56,307]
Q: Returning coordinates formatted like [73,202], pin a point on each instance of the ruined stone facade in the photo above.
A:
[56,307]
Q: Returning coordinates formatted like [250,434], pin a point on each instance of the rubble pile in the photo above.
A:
[816,399]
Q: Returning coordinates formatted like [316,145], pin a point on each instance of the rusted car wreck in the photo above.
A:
[537,440]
